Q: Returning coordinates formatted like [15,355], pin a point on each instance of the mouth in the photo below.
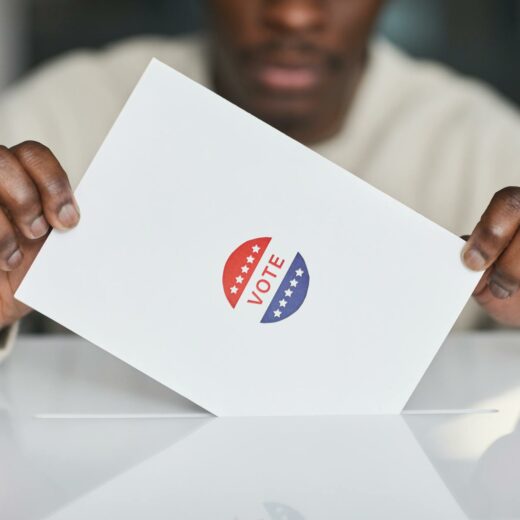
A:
[290,79]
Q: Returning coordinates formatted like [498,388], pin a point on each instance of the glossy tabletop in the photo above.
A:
[84,436]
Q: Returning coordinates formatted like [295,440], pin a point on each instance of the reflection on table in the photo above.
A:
[57,456]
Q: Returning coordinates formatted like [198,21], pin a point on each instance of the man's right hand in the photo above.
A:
[35,196]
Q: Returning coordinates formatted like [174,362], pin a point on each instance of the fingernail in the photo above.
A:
[68,215]
[76,205]
[498,290]
[15,259]
[474,259]
[39,227]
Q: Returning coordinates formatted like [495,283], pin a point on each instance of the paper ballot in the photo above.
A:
[243,270]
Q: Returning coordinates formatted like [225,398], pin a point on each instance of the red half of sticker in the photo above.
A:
[240,266]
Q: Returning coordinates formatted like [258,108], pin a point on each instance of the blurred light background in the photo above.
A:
[478,37]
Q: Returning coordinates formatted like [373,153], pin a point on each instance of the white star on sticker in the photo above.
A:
[255,249]
[288,293]
[250,259]
[293,282]
[245,269]
[299,272]
[277,313]
[239,279]
[234,290]
[282,303]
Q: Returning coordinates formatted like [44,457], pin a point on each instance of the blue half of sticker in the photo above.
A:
[290,294]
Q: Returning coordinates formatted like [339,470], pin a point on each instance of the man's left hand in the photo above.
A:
[494,246]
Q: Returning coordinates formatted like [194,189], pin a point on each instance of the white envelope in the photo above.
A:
[243,270]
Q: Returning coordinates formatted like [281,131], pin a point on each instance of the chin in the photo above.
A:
[284,114]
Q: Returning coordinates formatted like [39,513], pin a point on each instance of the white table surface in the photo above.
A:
[73,445]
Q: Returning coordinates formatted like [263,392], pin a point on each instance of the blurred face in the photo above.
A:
[293,63]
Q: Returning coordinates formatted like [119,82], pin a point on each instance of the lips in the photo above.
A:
[285,75]
[279,77]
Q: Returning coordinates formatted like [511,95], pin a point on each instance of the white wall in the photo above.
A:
[12,39]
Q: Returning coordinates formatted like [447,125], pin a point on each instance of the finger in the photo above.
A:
[59,205]
[482,285]
[494,232]
[19,195]
[11,255]
[504,280]
[502,310]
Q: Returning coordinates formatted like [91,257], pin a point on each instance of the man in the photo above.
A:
[441,144]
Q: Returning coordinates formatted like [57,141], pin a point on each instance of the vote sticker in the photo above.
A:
[265,280]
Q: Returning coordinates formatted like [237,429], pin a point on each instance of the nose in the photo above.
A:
[294,15]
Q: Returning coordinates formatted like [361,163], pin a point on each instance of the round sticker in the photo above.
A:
[271,282]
